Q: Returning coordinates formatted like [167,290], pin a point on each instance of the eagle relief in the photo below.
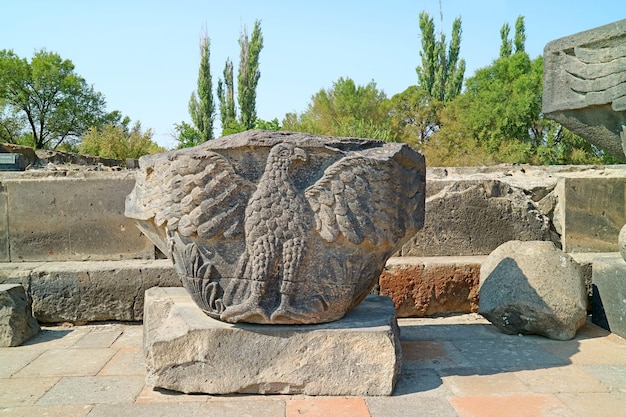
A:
[279,227]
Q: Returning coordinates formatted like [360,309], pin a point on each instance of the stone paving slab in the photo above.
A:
[94,390]
[67,362]
[454,367]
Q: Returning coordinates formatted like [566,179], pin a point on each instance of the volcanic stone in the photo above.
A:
[17,323]
[188,351]
[533,288]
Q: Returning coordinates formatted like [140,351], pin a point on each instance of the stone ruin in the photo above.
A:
[277,228]
[585,90]
[97,266]
[585,85]
[280,228]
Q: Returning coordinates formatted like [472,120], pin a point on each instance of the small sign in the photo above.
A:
[9,161]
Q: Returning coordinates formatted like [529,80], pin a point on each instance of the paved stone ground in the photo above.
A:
[453,367]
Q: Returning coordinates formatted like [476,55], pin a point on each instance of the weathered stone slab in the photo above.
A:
[65,219]
[585,84]
[533,288]
[17,323]
[429,286]
[473,217]
[280,227]
[608,306]
[89,291]
[4,226]
[592,213]
[188,351]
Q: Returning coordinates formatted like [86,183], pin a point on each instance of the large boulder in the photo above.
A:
[17,323]
[533,288]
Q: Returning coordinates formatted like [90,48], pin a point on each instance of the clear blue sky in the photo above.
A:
[144,56]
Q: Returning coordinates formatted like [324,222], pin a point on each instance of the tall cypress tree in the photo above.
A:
[201,106]
[517,44]
[249,74]
[506,47]
[226,96]
[441,73]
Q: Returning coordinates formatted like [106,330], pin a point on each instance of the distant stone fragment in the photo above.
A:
[188,351]
[280,227]
[17,323]
[533,288]
[585,85]
[466,218]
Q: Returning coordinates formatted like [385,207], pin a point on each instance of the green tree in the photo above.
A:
[226,96]
[187,135]
[414,116]
[506,47]
[441,73]
[345,110]
[249,74]
[119,141]
[201,107]
[520,35]
[12,124]
[273,124]
[498,119]
[56,103]
[518,41]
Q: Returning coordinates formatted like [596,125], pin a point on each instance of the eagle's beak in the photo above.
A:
[299,154]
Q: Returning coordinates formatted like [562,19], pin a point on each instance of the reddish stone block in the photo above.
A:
[431,286]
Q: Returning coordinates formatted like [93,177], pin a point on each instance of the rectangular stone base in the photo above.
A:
[608,306]
[188,351]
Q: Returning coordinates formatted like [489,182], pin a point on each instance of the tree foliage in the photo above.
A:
[441,73]
[119,140]
[519,40]
[345,109]
[249,74]
[498,119]
[201,107]
[414,116]
[46,98]
[226,96]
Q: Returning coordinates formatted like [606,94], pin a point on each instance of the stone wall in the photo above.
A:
[56,220]
[77,216]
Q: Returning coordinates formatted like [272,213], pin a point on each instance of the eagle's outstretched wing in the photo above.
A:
[192,194]
[598,75]
[363,197]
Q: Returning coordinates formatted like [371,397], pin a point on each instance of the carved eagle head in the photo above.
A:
[284,155]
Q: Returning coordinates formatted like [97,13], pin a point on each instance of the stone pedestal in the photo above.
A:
[608,306]
[188,351]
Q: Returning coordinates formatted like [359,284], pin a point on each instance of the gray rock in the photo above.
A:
[82,292]
[621,240]
[278,227]
[533,288]
[70,219]
[609,293]
[189,351]
[473,217]
[592,212]
[584,84]
[17,323]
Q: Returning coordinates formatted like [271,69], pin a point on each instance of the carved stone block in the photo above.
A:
[187,351]
[585,85]
[278,227]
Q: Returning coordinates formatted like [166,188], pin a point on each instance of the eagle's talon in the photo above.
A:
[247,311]
[286,313]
